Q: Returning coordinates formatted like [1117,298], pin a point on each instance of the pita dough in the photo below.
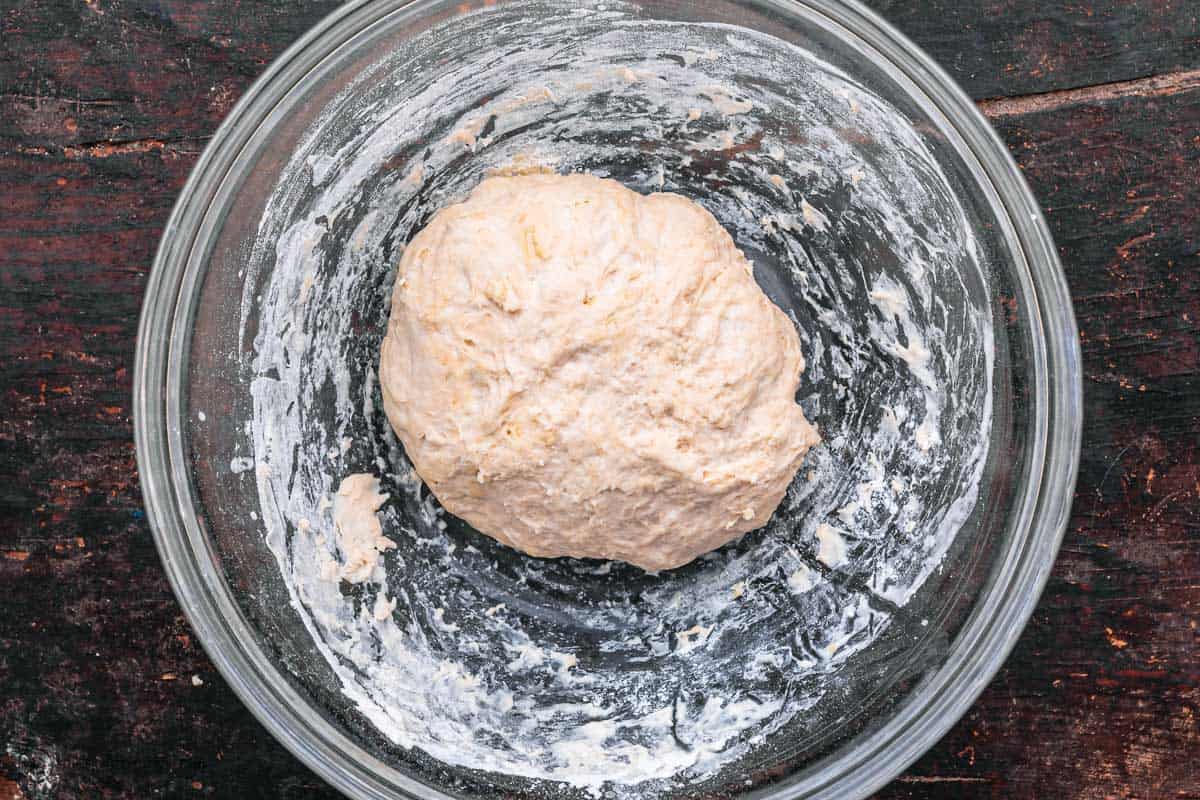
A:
[579,370]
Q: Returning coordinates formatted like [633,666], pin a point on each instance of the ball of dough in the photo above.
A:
[576,369]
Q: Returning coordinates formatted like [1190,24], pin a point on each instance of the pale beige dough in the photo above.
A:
[579,370]
[359,533]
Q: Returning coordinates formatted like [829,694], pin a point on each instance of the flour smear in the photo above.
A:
[592,674]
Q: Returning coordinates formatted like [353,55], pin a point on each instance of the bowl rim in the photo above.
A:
[982,644]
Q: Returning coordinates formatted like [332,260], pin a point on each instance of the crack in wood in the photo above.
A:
[1153,86]
[107,149]
[38,99]
[1125,249]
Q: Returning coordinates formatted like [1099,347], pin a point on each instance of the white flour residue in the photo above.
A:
[725,103]
[831,547]
[597,675]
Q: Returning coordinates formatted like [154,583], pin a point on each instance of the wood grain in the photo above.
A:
[1001,48]
[105,105]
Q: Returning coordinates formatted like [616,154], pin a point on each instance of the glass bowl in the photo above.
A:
[817,657]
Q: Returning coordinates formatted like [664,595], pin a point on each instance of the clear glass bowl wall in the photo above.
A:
[270,294]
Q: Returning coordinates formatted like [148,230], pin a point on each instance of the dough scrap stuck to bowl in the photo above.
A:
[576,369]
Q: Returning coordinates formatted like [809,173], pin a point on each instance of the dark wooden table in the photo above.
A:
[104,107]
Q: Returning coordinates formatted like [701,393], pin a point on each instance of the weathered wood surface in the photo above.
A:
[104,106]
[1000,48]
